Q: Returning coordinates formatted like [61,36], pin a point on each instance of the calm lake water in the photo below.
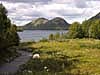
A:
[36,35]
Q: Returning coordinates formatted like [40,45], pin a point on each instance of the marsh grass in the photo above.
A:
[71,57]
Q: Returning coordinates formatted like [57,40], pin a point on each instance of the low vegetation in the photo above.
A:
[71,57]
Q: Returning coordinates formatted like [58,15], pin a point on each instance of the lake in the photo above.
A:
[36,35]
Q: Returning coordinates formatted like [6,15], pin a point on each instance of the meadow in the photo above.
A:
[68,57]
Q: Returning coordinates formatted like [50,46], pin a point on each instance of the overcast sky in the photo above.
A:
[24,11]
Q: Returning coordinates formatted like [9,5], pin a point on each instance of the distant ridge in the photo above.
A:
[56,23]
[97,16]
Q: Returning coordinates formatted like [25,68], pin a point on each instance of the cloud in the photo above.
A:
[28,1]
[81,3]
[23,11]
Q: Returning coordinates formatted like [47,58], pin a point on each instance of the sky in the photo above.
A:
[22,12]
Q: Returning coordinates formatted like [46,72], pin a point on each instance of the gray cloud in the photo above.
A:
[28,1]
[93,0]
[35,14]
[23,11]
[68,12]
[81,3]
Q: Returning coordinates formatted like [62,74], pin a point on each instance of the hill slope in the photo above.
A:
[45,24]
[97,16]
[35,24]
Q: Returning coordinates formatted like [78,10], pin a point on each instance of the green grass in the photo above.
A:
[79,56]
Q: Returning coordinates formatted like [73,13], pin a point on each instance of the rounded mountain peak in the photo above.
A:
[41,18]
[57,18]
[39,21]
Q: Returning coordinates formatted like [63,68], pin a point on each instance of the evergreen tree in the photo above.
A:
[8,32]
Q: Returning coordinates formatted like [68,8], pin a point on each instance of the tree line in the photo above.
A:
[8,31]
[88,29]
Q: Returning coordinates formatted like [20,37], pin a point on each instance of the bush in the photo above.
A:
[43,40]
[75,31]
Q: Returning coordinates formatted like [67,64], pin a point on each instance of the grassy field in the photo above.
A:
[71,57]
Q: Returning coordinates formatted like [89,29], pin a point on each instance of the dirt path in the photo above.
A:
[13,66]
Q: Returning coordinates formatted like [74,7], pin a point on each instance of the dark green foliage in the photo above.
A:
[85,28]
[88,29]
[56,36]
[49,65]
[75,31]
[19,28]
[43,40]
[91,28]
[13,34]
[94,30]
[51,37]
[8,34]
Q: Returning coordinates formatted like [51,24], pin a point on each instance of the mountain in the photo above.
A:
[45,24]
[57,23]
[97,16]
[35,24]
